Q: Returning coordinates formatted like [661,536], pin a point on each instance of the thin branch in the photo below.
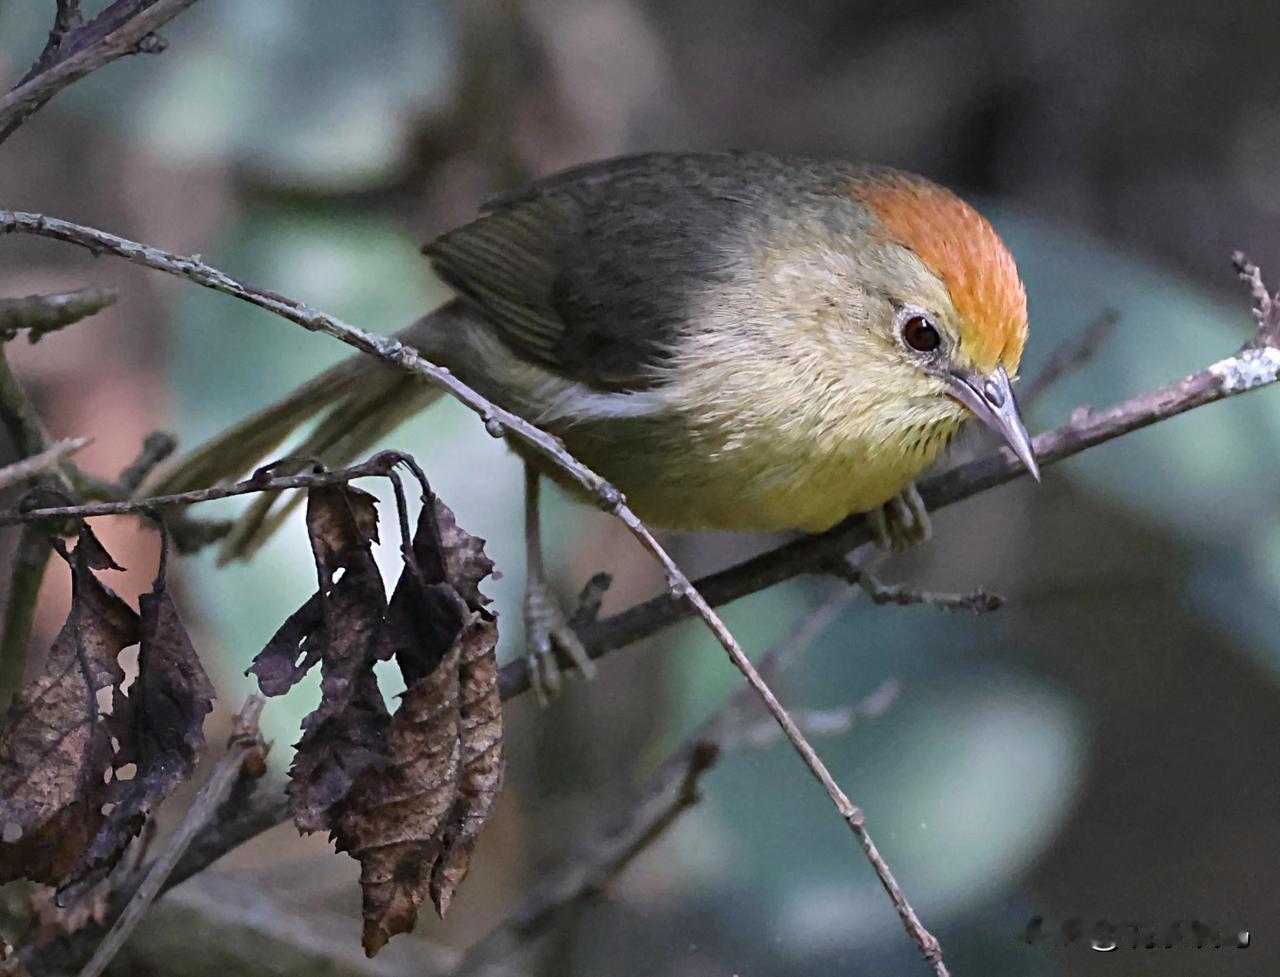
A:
[41,463]
[246,744]
[258,931]
[68,17]
[17,415]
[1070,356]
[585,873]
[671,790]
[816,722]
[1266,307]
[388,349]
[1250,369]
[156,447]
[26,576]
[232,828]
[977,601]
[376,467]
[123,28]
[609,498]
[42,314]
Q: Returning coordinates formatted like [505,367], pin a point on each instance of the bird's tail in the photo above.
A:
[365,400]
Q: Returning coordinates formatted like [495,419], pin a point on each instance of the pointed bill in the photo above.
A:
[991,400]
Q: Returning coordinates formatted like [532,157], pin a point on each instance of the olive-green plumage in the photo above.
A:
[719,335]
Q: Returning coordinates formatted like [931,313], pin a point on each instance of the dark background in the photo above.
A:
[1104,747]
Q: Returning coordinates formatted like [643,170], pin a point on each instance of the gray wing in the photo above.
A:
[591,272]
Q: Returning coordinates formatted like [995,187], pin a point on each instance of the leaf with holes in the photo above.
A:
[159,725]
[56,747]
[345,733]
[291,652]
[413,823]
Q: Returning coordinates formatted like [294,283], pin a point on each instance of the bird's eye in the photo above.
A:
[921,334]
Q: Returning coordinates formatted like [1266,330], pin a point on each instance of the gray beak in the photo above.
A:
[991,400]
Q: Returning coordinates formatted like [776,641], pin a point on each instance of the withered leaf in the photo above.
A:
[462,564]
[345,733]
[481,760]
[346,519]
[391,821]
[159,726]
[342,521]
[56,746]
[406,795]
[423,613]
[465,562]
[291,651]
[448,746]
[90,549]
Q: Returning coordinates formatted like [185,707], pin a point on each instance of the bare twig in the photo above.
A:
[609,498]
[26,576]
[1266,307]
[41,314]
[670,791]
[246,820]
[816,722]
[385,348]
[376,467]
[1070,356]
[41,463]
[258,931]
[1250,369]
[17,415]
[246,742]
[978,601]
[125,27]
[156,447]
[67,19]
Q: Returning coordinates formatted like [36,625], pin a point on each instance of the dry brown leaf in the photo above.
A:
[346,732]
[92,552]
[56,746]
[442,634]
[481,761]
[406,795]
[290,653]
[159,726]
[392,820]
[424,612]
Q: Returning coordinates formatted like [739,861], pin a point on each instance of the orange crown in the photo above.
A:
[957,244]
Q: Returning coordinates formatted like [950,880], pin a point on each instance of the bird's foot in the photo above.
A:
[551,641]
[902,522]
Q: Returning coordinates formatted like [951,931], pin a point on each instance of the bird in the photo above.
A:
[736,341]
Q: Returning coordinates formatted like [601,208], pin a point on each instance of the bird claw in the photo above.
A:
[551,642]
[902,522]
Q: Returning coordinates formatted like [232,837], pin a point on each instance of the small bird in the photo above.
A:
[737,341]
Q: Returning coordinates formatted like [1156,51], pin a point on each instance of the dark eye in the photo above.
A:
[921,334]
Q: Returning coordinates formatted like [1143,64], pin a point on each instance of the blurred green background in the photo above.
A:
[1103,747]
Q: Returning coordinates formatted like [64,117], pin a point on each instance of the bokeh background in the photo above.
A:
[1104,747]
